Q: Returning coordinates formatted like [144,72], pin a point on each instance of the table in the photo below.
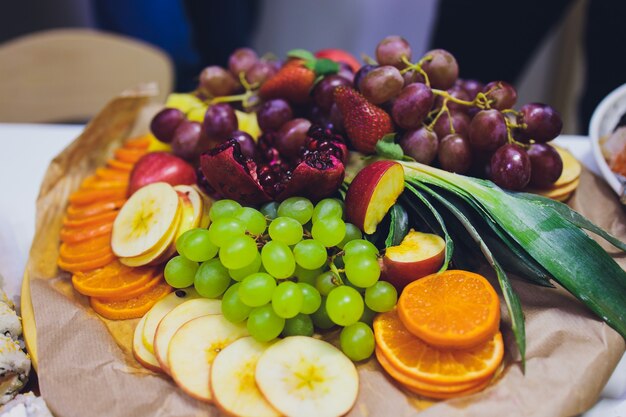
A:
[27,149]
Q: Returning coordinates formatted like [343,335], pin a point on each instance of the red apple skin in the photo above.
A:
[160,167]
[400,274]
[361,190]
[339,55]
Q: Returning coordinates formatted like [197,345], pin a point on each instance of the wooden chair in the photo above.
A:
[68,75]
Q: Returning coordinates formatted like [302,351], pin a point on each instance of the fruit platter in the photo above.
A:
[316,236]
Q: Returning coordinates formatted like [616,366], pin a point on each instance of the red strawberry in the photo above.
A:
[364,122]
[292,82]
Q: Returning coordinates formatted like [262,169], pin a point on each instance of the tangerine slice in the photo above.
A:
[84,197]
[453,309]
[129,155]
[80,212]
[100,218]
[136,292]
[86,250]
[140,142]
[132,308]
[428,389]
[122,166]
[113,280]
[87,265]
[112,174]
[416,359]
[74,235]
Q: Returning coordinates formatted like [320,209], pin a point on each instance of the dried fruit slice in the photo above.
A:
[75,235]
[173,320]
[416,359]
[143,356]
[87,265]
[81,212]
[193,349]
[114,279]
[84,197]
[86,250]
[232,380]
[101,218]
[453,309]
[129,155]
[302,376]
[133,308]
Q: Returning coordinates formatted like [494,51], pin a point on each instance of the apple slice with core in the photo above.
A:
[144,220]
[193,348]
[233,385]
[160,309]
[372,193]
[419,254]
[143,355]
[307,377]
[173,320]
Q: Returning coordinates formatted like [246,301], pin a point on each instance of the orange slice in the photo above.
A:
[153,282]
[453,309]
[86,250]
[122,166]
[80,212]
[129,155]
[112,174]
[84,197]
[141,142]
[113,280]
[75,235]
[100,218]
[416,359]
[95,183]
[87,265]
[132,308]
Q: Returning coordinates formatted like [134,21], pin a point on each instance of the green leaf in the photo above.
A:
[510,297]
[388,148]
[574,217]
[442,224]
[325,66]
[398,225]
[302,54]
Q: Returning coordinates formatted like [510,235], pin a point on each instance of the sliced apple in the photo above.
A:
[233,385]
[302,376]
[188,216]
[144,220]
[160,309]
[196,201]
[205,220]
[143,355]
[193,348]
[372,193]
[419,254]
[178,316]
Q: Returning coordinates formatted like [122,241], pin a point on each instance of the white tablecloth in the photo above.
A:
[27,149]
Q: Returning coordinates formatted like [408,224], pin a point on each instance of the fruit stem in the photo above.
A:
[448,96]
[417,67]
[245,98]
[368,59]
[444,108]
[336,271]
[509,133]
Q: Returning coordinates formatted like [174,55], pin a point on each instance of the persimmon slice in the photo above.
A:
[453,309]
[80,212]
[416,359]
[85,196]
[113,280]
[133,308]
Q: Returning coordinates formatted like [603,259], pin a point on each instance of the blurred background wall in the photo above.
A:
[554,74]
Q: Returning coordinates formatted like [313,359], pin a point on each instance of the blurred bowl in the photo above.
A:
[603,121]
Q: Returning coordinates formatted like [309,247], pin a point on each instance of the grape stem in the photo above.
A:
[444,108]
[417,67]
[248,99]
[509,132]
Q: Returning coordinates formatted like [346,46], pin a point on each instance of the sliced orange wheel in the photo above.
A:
[128,294]
[129,155]
[122,166]
[133,308]
[416,359]
[141,142]
[75,235]
[96,183]
[112,174]
[85,197]
[447,395]
[106,217]
[80,212]
[86,250]
[87,265]
[113,280]
[452,309]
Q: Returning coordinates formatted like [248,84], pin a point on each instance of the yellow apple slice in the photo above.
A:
[196,201]
[232,380]
[173,320]
[144,220]
[188,216]
[143,355]
[306,377]
[205,220]
[160,309]
[193,349]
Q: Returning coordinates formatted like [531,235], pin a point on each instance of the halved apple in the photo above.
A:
[160,309]
[232,380]
[143,355]
[419,254]
[173,320]
[372,193]
[193,348]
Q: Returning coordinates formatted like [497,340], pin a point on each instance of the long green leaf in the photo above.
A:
[398,225]
[511,299]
